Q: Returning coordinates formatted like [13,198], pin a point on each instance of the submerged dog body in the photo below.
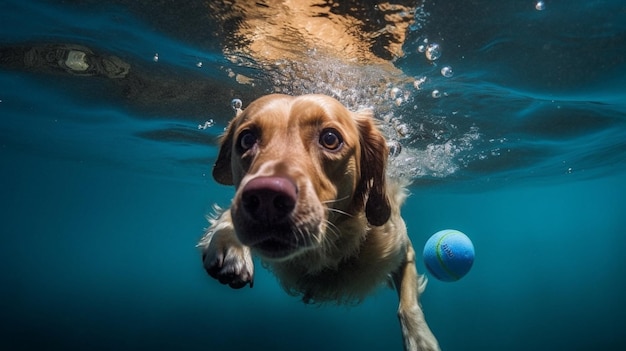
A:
[313,203]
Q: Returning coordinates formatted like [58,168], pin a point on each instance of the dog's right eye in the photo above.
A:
[247,139]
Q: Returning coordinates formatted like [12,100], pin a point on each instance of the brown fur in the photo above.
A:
[349,235]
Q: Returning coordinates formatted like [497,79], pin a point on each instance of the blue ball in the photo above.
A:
[448,255]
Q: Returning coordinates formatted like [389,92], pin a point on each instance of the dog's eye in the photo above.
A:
[331,139]
[247,139]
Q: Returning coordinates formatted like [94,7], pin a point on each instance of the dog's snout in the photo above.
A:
[269,199]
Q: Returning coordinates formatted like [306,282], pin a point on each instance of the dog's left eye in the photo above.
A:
[331,139]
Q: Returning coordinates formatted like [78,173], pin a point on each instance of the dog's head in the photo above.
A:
[301,166]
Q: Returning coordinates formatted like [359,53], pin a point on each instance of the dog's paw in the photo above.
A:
[231,264]
[416,333]
[223,255]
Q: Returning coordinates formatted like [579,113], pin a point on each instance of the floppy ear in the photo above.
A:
[371,185]
[222,171]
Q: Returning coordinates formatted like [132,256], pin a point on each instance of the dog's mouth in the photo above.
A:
[275,248]
[277,244]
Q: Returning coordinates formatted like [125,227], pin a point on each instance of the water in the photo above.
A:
[106,181]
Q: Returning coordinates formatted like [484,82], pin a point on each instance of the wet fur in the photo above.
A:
[358,241]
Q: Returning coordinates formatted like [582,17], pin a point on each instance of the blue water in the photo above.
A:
[105,188]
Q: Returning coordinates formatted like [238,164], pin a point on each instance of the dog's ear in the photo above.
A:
[222,171]
[371,187]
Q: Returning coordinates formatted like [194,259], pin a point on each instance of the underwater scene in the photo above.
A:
[507,117]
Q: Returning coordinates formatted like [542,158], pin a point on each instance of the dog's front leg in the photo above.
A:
[224,257]
[415,332]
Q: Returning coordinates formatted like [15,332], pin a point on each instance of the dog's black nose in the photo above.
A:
[269,199]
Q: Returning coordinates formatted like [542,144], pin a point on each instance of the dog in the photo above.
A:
[313,202]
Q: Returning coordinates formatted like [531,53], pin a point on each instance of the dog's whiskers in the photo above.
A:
[302,235]
[336,210]
[335,200]
[333,232]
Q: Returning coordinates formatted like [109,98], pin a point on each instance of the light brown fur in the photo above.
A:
[345,235]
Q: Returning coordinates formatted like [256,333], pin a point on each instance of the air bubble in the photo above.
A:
[417,83]
[394,92]
[433,51]
[236,104]
[436,94]
[540,6]
[394,148]
[421,48]
[447,71]
[199,64]
[402,130]
[155,58]
[208,124]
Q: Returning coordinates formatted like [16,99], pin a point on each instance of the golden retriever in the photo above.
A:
[313,202]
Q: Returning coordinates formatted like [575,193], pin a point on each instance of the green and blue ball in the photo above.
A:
[449,255]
